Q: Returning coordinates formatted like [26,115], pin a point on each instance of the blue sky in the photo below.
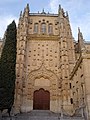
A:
[79,12]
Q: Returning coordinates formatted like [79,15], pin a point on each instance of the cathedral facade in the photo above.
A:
[52,70]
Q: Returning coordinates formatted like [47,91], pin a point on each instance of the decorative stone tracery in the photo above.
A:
[42,73]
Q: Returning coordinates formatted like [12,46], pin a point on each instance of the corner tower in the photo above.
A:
[22,33]
[67,59]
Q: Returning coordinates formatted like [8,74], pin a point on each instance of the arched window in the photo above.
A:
[43,28]
[36,28]
[50,29]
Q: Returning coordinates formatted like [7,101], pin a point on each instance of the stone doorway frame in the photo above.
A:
[42,72]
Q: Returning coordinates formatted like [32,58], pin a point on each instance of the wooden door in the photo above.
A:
[41,100]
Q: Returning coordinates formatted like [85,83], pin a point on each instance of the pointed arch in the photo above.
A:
[42,72]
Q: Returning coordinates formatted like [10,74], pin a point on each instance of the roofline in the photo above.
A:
[46,14]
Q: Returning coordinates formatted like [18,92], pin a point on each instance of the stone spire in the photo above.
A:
[80,36]
[61,11]
[80,40]
[20,19]
[20,14]
[67,16]
[26,11]
[27,8]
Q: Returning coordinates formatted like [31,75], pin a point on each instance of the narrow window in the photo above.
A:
[43,28]
[50,29]
[36,28]
[71,100]
[70,85]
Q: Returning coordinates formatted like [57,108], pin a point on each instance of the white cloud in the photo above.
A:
[53,5]
[4,22]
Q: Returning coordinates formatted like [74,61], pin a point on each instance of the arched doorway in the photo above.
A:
[41,100]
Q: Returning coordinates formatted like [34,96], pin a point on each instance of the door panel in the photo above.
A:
[41,100]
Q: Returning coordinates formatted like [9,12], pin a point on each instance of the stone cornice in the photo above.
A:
[43,37]
[46,15]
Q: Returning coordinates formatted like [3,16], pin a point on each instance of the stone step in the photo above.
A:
[41,115]
[47,118]
[37,118]
[40,118]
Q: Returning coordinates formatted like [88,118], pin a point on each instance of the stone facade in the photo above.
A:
[80,77]
[49,58]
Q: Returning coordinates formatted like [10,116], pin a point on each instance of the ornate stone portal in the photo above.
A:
[42,78]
